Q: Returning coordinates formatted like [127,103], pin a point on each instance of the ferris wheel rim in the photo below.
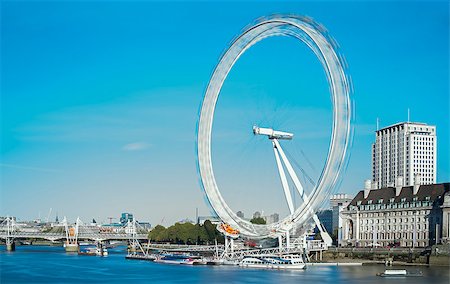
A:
[314,35]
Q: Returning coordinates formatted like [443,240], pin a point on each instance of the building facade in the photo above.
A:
[326,219]
[125,217]
[402,151]
[411,216]
[338,203]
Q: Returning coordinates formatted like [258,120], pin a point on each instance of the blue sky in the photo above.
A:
[99,100]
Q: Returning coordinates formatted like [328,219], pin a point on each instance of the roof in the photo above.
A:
[403,123]
[434,191]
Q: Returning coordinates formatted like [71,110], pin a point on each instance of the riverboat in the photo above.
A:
[178,259]
[89,251]
[94,251]
[148,257]
[273,262]
[399,273]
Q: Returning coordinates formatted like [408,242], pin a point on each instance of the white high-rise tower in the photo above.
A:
[403,151]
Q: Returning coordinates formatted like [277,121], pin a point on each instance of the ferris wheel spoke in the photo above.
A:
[287,192]
[292,173]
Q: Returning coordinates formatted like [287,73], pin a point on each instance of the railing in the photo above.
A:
[190,248]
[56,236]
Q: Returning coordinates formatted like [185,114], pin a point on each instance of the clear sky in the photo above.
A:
[100,100]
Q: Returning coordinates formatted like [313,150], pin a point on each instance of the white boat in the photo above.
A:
[399,273]
[177,259]
[273,262]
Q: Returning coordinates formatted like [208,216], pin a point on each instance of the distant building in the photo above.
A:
[338,203]
[213,219]
[401,152]
[240,214]
[326,219]
[186,220]
[257,214]
[275,217]
[145,225]
[411,216]
[125,217]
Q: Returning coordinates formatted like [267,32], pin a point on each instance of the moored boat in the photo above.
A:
[273,262]
[399,273]
[148,257]
[92,251]
[177,259]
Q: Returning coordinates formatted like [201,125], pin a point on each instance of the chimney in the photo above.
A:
[367,187]
[417,182]
[398,185]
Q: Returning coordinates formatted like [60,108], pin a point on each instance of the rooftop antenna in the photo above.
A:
[378,124]
[196,215]
[408,115]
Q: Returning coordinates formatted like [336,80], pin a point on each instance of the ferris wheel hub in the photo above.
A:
[272,134]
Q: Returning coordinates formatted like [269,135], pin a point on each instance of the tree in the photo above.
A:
[158,233]
[210,229]
[258,220]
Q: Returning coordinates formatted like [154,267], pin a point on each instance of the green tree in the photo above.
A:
[258,220]
[158,234]
[210,230]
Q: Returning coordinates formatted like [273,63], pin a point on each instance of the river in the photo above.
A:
[46,264]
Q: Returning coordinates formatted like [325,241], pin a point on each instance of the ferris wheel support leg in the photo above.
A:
[226,243]
[280,244]
[323,233]
[284,182]
[288,241]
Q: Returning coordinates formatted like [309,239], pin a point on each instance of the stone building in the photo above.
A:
[338,203]
[411,216]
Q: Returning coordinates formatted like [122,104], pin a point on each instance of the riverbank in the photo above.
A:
[438,255]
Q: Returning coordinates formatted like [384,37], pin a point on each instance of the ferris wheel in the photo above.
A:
[325,48]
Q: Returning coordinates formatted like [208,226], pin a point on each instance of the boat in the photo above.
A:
[92,251]
[399,273]
[215,261]
[273,262]
[178,259]
[148,257]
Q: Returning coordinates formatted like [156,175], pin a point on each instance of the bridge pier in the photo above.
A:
[71,247]
[132,247]
[10,232]
[10,245]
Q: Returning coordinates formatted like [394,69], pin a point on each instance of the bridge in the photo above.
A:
[71,234]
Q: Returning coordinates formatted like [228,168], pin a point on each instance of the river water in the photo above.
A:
[45,264]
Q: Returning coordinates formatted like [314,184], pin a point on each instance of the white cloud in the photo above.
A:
[136,146]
